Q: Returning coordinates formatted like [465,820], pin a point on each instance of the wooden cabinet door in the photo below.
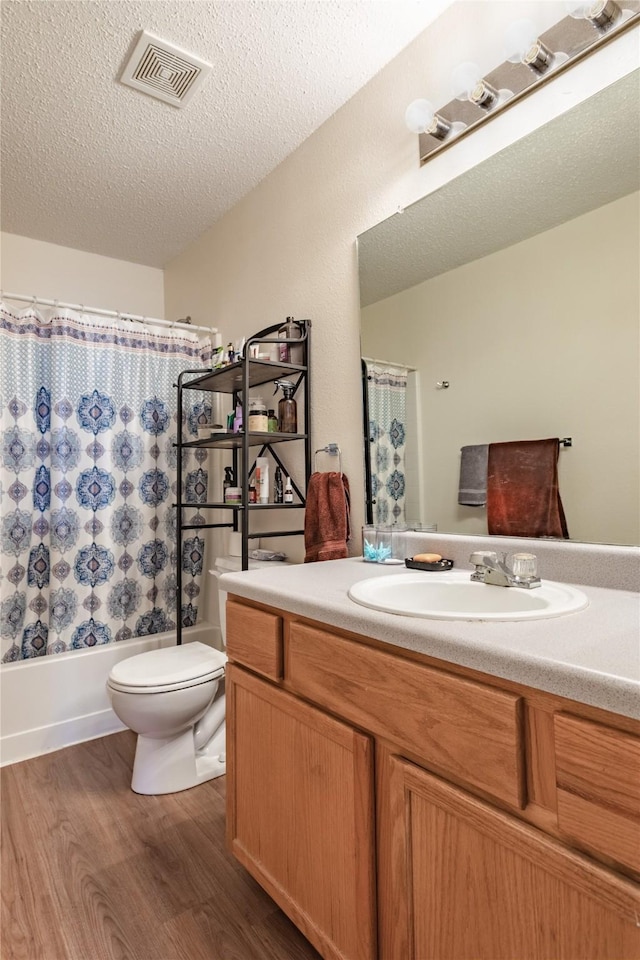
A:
[474,882]
[300,814]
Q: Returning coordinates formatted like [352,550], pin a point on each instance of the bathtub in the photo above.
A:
[52,702]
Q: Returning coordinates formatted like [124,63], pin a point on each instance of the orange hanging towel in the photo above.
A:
[326,518]
[523,498]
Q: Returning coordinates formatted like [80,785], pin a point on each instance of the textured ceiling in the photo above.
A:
[91,164]
[577,162]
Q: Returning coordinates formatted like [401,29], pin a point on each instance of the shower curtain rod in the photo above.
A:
[390,363]
[24,298]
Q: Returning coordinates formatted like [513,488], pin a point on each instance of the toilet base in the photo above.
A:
[172,764]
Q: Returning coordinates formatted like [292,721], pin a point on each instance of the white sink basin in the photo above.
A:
[453,596]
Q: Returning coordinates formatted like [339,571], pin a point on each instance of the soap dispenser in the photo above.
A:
[287,407]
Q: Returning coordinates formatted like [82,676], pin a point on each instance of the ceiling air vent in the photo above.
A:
[163,70]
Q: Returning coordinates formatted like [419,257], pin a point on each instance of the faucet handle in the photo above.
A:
[481,558]
[524,565]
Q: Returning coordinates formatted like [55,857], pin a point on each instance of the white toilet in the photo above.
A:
[168,697]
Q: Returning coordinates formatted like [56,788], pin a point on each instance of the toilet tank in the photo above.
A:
[231,564]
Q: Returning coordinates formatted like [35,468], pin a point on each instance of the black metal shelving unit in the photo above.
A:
[237,379]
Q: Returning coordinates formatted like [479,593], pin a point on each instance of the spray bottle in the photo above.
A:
[287,407]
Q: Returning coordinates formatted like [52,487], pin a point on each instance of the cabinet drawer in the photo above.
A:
[458,726]
[254,638]
[598,784]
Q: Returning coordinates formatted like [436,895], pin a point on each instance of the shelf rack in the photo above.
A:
[237,379]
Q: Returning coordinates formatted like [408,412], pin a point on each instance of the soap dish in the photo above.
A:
[423,565]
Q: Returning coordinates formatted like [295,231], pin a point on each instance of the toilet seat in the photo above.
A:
[172,668]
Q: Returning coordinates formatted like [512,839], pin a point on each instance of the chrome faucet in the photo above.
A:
[489,568]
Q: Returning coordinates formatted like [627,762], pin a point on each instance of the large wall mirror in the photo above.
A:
[518,285]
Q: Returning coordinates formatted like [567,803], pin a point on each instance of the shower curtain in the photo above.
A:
[387,400]
[88,478]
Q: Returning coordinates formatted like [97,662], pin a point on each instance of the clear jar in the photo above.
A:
[399,542]
[369,552]
[257,420]
[233,495]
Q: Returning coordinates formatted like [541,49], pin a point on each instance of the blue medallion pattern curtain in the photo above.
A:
[387,400]
[88,480]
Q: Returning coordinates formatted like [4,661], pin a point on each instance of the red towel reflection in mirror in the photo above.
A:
[523,498]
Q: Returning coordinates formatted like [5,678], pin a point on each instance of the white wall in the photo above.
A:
[289,247]
[73,276]
[578,339]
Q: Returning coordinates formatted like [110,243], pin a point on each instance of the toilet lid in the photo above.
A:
[189,663]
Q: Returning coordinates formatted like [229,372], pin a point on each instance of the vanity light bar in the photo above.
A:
[590,26]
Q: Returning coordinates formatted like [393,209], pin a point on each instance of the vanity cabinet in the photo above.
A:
[507,820]
[477,882]
[300,813]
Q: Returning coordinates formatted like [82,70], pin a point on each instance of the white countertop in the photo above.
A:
[592,656]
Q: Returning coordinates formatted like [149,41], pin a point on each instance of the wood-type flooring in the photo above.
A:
[93,871]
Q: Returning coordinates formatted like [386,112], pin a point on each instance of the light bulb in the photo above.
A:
[600,13]
[518,39]
[577,9]
[467,83]
[522,45]
[464,78]
[420,117]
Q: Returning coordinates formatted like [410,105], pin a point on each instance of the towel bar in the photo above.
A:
[333,450]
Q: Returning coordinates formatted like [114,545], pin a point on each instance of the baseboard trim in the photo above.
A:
[48,703]
[55,736]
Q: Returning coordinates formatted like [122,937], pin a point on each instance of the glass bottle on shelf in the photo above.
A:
[288,491]
[287,408]
[291,353]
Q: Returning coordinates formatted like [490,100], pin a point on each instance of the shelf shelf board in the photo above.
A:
[209,506]
[229,441]
[240,506]
[228,379]
[274,506]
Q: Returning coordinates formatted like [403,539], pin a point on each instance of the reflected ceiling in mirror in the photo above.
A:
[575,163]
[474,269]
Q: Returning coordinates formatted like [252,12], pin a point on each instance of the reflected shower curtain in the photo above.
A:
[387,400]
[88,478]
